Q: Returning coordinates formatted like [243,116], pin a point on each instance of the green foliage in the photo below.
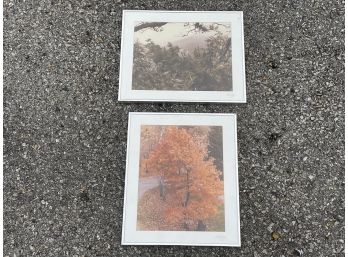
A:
[172,68]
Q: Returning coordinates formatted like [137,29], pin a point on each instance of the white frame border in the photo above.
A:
[237,95]
[231,236]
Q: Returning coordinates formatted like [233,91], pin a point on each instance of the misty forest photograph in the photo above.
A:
[186,56]
[181,182]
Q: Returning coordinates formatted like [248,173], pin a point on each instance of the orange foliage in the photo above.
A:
[191,182]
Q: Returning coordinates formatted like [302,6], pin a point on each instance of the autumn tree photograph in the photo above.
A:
[186,56]
[181,181]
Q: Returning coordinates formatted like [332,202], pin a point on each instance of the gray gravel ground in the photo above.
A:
[65,133]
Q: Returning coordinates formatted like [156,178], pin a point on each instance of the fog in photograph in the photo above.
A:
[181,179]
[187,56]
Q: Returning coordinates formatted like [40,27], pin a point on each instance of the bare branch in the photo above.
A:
[149,25]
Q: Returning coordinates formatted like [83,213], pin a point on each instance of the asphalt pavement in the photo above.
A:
[65,133]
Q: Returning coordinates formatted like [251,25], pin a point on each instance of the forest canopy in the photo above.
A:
[182,56]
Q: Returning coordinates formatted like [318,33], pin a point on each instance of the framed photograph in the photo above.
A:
[182,56]
[181,184]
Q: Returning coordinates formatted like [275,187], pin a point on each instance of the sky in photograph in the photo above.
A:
[172,32]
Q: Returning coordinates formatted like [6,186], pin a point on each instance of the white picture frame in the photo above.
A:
[230,236]
[234,19]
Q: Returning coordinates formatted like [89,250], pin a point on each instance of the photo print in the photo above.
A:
[181,179]
[187,56]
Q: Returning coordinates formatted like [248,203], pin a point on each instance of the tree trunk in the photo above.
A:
[201,226]
[162,189]
[187,197]
[186,226]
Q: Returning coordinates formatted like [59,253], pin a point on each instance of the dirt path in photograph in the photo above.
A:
[146,184]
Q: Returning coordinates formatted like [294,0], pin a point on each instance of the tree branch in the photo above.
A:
[149,25]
